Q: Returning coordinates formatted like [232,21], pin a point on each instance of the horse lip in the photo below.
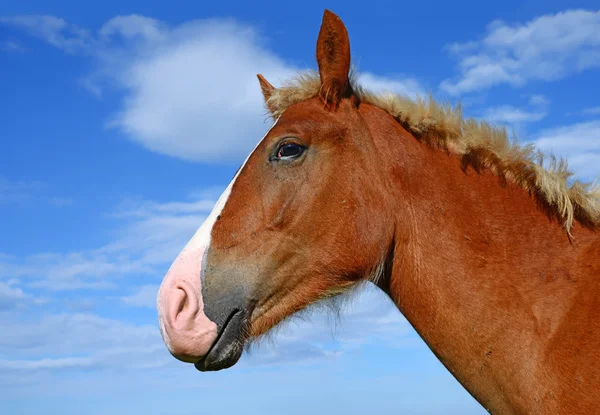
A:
[228,348]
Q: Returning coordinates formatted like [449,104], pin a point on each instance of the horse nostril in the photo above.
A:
[184,304]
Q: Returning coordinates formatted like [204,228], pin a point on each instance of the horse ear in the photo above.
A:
[333,58]
[267,90]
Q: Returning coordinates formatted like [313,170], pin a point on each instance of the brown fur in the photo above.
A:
[505,300]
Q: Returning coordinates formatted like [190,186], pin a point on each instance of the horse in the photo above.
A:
[489,250]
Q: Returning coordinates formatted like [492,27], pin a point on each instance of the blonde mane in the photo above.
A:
[480,144]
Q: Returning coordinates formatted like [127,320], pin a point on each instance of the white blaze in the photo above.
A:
[201,238]
[187,332]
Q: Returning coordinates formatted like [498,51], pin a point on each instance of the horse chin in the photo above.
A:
[228,348]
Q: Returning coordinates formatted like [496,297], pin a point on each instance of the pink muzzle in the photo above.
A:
[186,330]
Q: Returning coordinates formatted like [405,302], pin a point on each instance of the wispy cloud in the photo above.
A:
[144,296]
[45,363]
[364,316]
[140,247]
[10,296]
[26,191]
[100,342]
[17,191]
[146,208]
[536,110]
[53,30]
[538,100]
[60,201]
[66,341]
[399,85]
[511,115]
[579,143]
[11,45]
[591,111]
[547,48]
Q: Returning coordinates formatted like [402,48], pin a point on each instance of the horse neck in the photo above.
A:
[482,274]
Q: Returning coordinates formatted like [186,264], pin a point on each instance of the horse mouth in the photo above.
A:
[228,348]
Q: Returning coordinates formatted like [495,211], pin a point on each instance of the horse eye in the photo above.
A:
[289,151]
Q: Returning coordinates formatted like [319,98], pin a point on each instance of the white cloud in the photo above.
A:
[10,296]
[579,143]
[190,91]
[516,116]
[74,334]
[40,364]
[145,296]
[55,342]
[195,94]
[71,271]
[134,26]
[538,100]
[404,86]
[547,48]
[509,114]
[149,208]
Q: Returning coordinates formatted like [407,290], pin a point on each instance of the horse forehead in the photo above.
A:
[311,111]
[308,126]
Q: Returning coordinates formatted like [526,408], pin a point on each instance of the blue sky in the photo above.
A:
[123,121]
